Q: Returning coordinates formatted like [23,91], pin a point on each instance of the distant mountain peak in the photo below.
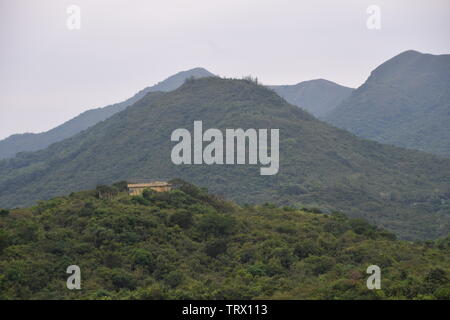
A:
[198,69]
[404,102]
[317,81]
[176,80]
[409,52]
[317,96]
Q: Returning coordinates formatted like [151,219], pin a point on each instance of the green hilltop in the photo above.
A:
[405,102]
[188,244]
[404,191]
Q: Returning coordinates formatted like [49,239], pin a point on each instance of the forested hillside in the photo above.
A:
[404,191]
[319,97]
[188,244]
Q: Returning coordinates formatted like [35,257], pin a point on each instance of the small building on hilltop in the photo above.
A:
[137,188]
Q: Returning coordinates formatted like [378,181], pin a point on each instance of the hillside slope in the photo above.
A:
[405,102]
[401,190]
[318,97]
[10,146]
[187,244]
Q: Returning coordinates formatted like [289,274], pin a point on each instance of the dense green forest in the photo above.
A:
[407,192]
[189,244]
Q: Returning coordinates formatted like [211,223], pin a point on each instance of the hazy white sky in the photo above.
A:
[49,74]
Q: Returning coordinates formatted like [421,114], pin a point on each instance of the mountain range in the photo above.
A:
[318,97]
[404,191]
[404,102]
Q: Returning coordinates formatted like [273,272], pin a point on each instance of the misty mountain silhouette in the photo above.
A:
[319,97]
[37,141]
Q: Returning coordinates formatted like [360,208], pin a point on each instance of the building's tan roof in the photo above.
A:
[148,184]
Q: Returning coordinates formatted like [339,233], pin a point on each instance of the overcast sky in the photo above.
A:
[49,74]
